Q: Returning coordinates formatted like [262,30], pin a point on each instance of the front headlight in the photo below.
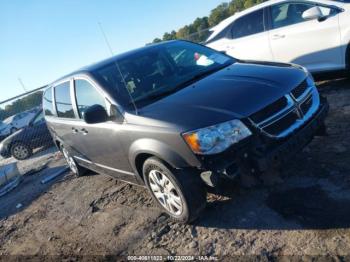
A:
[216,138]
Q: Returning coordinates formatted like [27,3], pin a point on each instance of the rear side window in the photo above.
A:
[63,101]
[249,24]
[47,102]
[86,96]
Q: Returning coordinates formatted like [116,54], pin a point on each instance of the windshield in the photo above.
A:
[158,71]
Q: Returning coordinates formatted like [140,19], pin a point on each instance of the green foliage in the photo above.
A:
[21,104]
[218,14]
[198,30]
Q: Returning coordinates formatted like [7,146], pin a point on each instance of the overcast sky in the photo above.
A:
[43,40]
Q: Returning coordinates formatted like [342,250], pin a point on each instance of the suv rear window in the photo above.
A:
[47,102]
[63,101]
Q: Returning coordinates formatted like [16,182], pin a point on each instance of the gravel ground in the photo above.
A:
[307,214]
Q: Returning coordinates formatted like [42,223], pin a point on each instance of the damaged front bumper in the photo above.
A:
[260,153]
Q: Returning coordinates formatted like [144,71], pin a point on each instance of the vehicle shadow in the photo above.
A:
[289,208]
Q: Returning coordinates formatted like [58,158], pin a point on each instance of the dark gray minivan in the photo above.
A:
[176,116]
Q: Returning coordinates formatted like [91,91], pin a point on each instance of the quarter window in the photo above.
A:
[63,101]
[47,102]
[87,95]
[289,14]
[249,24]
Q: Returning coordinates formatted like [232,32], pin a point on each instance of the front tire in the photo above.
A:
[180,193]
[72,164]
[21,151]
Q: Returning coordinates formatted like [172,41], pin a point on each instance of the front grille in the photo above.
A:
[288,113]
[282,124]
[269,110]
[305,106]
[300,89]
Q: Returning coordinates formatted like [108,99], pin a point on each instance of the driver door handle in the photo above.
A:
[74,130]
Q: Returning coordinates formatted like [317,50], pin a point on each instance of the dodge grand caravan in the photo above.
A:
[176,116]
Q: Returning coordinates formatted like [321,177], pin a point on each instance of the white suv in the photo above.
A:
[314,34]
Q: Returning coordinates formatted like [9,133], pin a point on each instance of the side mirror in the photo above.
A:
[312,13]
[95,114]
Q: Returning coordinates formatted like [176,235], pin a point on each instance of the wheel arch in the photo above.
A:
[18,141]
[142,149]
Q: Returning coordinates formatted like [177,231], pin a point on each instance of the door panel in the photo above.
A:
[253,47]
[313,44]
[100,144]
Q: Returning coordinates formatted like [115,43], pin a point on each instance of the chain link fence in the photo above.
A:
[26,143]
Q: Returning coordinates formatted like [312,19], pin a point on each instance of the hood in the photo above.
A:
[236,91]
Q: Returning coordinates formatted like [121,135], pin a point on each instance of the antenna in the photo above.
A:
[21,83]
[105,38]
[117,65]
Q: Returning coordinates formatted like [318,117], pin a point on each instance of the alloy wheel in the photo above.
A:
[20,151]
[165,192]
[70,161]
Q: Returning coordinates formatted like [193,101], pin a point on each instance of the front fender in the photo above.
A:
[160,150]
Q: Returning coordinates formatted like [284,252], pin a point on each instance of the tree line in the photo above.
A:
[198,30]
[21,105]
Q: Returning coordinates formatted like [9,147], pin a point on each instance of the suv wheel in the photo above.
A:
[181,193]
[74,167]
[21,151]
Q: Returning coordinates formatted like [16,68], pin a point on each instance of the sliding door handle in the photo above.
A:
[84,131]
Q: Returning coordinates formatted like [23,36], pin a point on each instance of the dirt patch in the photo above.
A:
[311,207]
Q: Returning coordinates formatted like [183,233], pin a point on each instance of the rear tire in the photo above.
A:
[180,193]
[21,151]
[72,164]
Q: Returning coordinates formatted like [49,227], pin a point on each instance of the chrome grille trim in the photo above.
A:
[305,94]
[292,105]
